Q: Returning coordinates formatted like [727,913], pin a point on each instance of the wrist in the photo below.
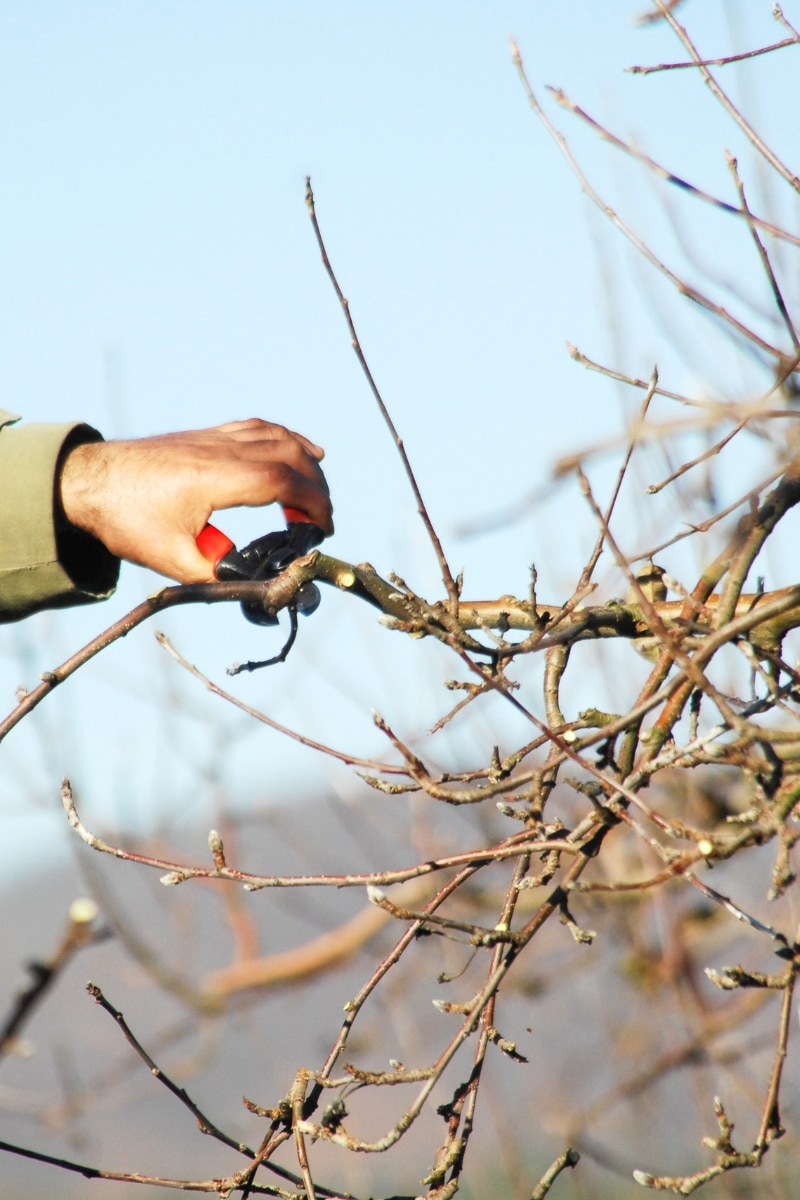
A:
[78,485]
[82,552]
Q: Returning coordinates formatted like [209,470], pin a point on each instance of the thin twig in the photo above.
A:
[712,451]
[281,656]
[349,759]
[764,256]
[668,176]
[725,100]
[211,1186]
[704,526]
[716,62]
[203,1123]
[685,289]
[471,1019]
[633,439]
[522,843]
[447,576]
[569,1158]
[79,932]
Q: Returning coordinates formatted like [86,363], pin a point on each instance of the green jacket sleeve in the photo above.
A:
[44,561]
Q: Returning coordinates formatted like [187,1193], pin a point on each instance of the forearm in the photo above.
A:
[44,561]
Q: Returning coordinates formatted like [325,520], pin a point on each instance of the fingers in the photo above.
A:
[266,472]
[271,463]
[256,430]
[291,487]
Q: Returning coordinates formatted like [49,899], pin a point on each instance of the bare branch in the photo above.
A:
[717,62]
[725,100]
[691,189]
[447,577]
[644,249]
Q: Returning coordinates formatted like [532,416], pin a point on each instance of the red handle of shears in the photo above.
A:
[296,516]
[213,544]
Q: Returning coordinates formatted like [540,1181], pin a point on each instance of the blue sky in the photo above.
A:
[158,271]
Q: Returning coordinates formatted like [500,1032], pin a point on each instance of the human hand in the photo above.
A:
[148,499]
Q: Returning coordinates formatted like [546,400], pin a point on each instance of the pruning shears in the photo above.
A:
[264,559]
